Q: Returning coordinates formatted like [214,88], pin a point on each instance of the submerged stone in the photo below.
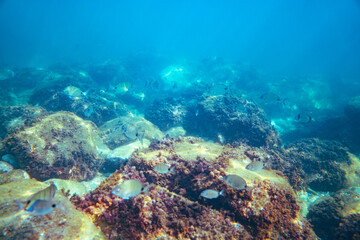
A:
[60,145]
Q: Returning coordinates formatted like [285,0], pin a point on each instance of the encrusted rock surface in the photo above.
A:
[64,222]
[319,163]
[173,208]
[233,119]
[114,135]
[60,145]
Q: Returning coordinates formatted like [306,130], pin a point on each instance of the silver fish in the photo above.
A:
[270,98]
[255,166]
[74,92]
[128,189]
[41,207]
[88,110]
[162,168]
[140,134]
[129,131]
[5,167]
[46,194]
[133,132]
[211,194]
[235,181]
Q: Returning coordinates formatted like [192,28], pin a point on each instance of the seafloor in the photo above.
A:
[90,127]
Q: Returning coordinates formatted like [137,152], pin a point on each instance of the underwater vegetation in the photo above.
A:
[201,150]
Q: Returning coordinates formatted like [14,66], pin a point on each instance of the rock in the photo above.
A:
[120,155]
[325,216]
[64,222]
[176,132]
[72,187]
[17,117]
[352,109]
[166,113]
[349,228]
[13,176]
[336,216]
[114,134]
[60,145]
[174,208]
[320,163]
[229,119]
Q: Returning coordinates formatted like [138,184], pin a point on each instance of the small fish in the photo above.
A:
[140,133]
[197,113]
[5,167]
[211,194]
[123,87]
[46,194]
[221,138]
[270,98]
[128,189]
[129,131]
[89,110]
[41,207]
[235,181]
[162,168]
[74,92]
[303,118]
[176,111]
[255,166]
[9,158]
[40,203]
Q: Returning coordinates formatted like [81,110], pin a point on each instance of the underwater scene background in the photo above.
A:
[179,119]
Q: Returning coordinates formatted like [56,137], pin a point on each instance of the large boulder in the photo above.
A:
[352,109]
[229,119]
[173,208]
[319,164]
[60,145]
[166,113]
[64,222]
[14,118]
[127,129]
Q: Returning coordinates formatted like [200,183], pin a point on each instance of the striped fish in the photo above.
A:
[46,194]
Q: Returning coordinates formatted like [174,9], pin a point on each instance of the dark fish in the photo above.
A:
[270,98]
[303,118]
[9,158]
[235,181]
[255,166]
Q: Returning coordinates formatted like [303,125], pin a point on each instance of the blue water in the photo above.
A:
[277,36]
[262,73]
